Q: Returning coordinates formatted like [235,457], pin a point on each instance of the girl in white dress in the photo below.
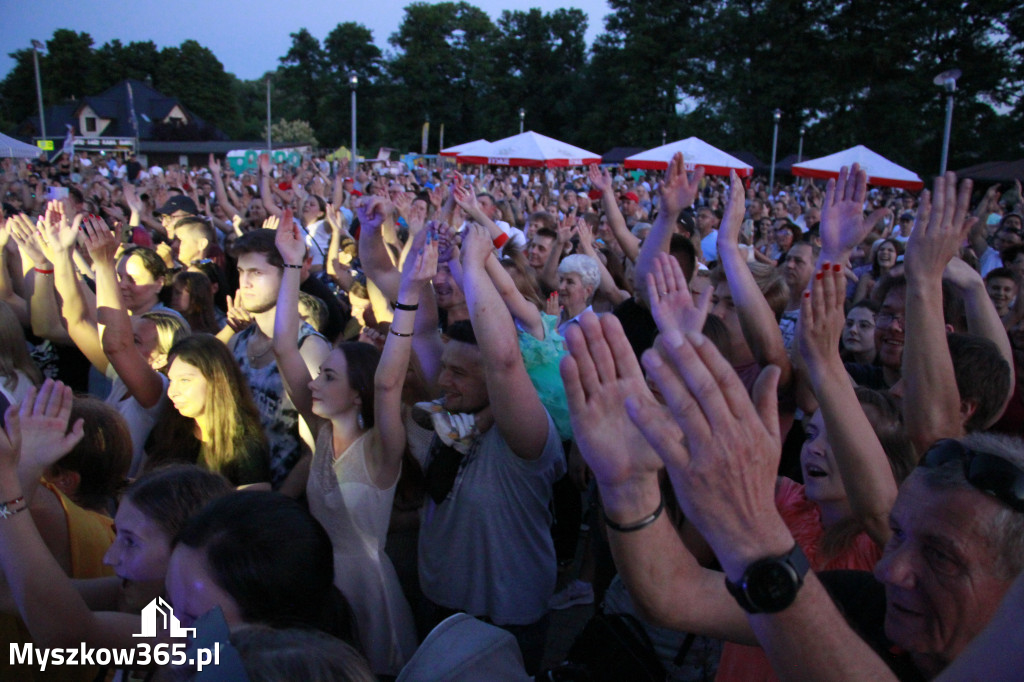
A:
[354,407]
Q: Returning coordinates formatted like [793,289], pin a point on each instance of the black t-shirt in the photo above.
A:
[861,600]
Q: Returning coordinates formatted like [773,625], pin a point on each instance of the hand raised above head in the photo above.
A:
[935,242]
[677,190]
[822,316]
[672,305]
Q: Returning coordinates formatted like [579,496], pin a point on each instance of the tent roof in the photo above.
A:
[696,152]
[15,149]
[994,171]
[880,170]
[531,149]
[465,147]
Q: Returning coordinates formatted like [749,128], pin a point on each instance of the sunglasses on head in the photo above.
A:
[988,473]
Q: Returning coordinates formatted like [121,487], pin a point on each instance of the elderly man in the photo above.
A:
[956,523]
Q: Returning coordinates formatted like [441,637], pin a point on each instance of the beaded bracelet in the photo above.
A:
[295,267]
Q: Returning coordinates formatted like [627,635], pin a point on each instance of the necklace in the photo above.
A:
[253,355]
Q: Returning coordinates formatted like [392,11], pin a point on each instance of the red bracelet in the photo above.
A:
[500,241]
[43,272]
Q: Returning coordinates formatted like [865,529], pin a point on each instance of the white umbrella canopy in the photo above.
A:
[466,148]
[880,170]
[696,152]
[530,149]
[14,149]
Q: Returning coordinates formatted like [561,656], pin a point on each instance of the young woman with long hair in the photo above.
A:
[214,422]
[355,408]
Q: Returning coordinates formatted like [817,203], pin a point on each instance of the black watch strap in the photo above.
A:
[771,584]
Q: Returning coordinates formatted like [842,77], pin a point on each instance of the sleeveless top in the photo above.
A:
[355,513]
[277,412]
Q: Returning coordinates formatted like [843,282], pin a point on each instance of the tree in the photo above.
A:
[292,131]
[301,77]
[115,62]
[194,75]
[350,50]
[443,70]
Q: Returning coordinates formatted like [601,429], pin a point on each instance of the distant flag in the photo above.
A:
[131,110]
[425,137]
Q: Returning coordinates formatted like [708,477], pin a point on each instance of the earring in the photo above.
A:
[359,421]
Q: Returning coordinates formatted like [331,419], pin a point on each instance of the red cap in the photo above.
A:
[356,192]
[284,186]
[632,196]
[595,194]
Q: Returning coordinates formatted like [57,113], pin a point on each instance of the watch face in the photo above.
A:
[771,585]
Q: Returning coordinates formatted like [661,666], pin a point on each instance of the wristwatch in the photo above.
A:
[770,585]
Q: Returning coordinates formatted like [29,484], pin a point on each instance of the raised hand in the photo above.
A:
[552,306]
[672,304]
[935,243]
[476,245]
[214,165]
[843,225]
[28,240]
[289,241]
[732,221]
[600,374]
[447,243]
[721,451]
[264,164]
[419,270]
[371,212]
[271,223]
[822,317]
[599,178]
[99,240]
[678,191]
[42,424]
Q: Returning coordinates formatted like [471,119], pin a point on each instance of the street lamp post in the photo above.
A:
[522,119]
[36,46]
[269,139]
[800,149]
[664,136]
[353,82]
[947,79]
[777,116]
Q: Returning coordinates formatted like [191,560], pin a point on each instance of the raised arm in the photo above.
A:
[607,286]
[760,328]
[518,413]
[216,170]
[295,373]
[930,391]
[53,610]
[116,333]
[723,471]
[373,252]
[863,465]
[59,236]
[523,312]
[394,361]
[266,194]
[843,225]
[677,192]
[665,581]
[601,180]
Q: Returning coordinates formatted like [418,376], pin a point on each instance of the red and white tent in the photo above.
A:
[696,152]
[530,149]
[466,148]
[880,170]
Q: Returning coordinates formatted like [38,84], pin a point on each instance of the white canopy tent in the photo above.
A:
[465,148]
[880,170]
[530,149]
[13,149]
[696,152]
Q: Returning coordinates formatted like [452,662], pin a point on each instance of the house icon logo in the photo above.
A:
[158,616]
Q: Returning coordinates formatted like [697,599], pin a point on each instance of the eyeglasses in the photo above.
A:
[988,473]
[886,319]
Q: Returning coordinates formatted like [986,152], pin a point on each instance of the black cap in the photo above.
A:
[179,202]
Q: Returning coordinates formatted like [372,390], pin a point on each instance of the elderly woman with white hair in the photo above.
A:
[579,276]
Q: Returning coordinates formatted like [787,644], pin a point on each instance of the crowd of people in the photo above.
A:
[336,416]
